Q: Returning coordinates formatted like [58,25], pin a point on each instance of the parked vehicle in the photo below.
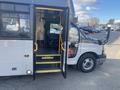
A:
[115,27]
[90,30]
[85,52]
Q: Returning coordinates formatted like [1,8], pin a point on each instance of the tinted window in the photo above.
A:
[6,6]
[9,22]
[22,8]
[73,35]
[56,28]
[15,25]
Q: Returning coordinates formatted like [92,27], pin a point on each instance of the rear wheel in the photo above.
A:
[87,63]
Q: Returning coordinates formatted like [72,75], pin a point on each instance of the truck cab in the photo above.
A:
[84,52]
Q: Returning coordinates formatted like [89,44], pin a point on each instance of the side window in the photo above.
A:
[21,8]
[73,35]
[6,7]
[9,22]
[14,22]
[24,23]
[73,42]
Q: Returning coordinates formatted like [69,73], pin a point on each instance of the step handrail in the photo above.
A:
[36,47]
[61,42]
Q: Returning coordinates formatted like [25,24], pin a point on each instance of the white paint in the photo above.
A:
[84,48]
[12,56]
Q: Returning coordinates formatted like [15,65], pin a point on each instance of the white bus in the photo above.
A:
[34,39]
[28,42]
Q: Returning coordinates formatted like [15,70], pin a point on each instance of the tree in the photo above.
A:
[93,21]
[111,21]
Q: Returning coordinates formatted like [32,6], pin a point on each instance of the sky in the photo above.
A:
[103,9]
[107,9]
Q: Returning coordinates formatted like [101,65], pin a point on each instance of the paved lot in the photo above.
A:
[112,48]
[114,37]
[106,77]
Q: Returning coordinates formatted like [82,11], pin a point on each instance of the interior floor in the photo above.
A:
[47,51]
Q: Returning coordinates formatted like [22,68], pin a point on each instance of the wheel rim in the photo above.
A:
[88,63]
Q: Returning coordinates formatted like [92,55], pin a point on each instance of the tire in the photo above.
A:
[86,63]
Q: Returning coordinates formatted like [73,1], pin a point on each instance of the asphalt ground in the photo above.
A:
[105,77]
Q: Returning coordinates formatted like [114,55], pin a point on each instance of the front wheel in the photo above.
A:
[87,63]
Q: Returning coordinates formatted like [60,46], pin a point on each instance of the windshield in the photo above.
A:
[56,29]
[73,35]
[93,35]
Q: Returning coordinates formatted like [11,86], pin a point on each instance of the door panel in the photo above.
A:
[65,42]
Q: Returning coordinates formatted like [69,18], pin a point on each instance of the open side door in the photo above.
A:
[46,61]
[64,45]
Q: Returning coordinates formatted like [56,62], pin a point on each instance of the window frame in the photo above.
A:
[29,36]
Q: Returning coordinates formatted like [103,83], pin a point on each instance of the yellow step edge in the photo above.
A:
[51,9]
[47,55]
[48,62]
[48,71]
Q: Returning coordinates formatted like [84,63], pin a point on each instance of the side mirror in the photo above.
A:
[108,36]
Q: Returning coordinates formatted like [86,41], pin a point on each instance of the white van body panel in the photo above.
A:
[12,57]
[84,48]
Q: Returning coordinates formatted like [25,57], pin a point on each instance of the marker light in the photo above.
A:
[29,72]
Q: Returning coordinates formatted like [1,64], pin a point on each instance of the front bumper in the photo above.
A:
[101,59]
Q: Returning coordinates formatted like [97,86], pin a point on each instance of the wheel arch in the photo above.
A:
[93,53]
[79,66]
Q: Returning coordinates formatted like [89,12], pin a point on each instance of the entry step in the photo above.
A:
[48,71]
[43,58]
[48,62]
[47,66]
[47,55]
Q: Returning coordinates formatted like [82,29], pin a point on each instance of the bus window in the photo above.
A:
[24,23]
[7,7]
[14,25]
[73,42]
[73,35]
[9,22]
[56,28]
[22,8]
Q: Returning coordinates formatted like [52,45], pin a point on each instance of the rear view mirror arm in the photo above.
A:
[107,37]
